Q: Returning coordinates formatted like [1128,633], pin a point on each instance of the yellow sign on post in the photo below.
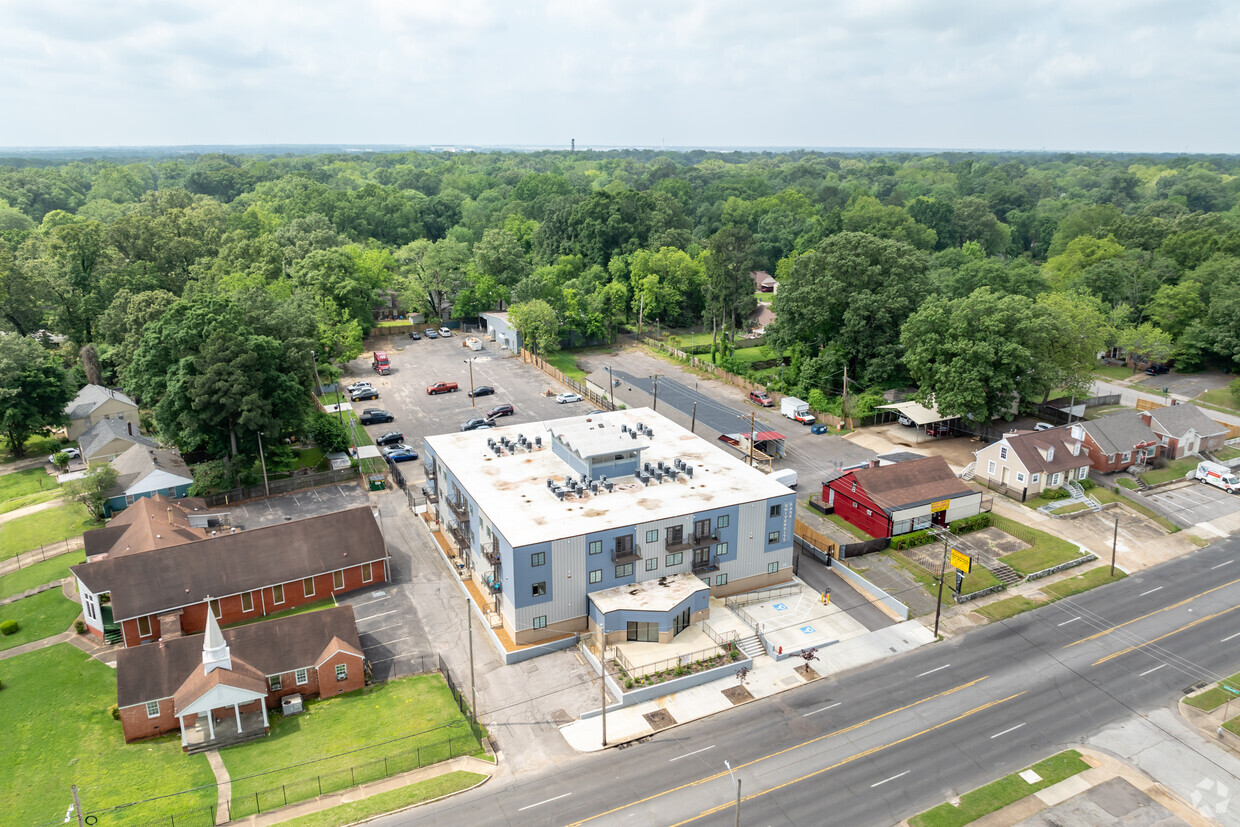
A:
[962,562]
[941,505]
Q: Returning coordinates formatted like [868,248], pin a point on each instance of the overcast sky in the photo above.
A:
[1145,75]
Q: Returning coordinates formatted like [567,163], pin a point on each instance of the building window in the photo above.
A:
[596,576]
[1083,474]
[675,559]
[538,558]
[274,683]
[277,594]
[307,587]
[1002,452]
[342,671]
[721,550]
[624,570]
[990,468]
[152,709]
[144,626]
[772,538]
[638,630]
[652,536]
[247,602]
[1126,456]
[772,568]
[721,580]
[539,589]
[1055,479]
[215,608]
[725,520]
[90,610]
[652,563]
[300,676]
[1020,477]
[540,622]
[777,510]
[368,573]
[869,512]
[1034,479]
[596,546]
[338,579]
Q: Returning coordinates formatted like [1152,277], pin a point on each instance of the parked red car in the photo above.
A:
[441,387]
[760,398]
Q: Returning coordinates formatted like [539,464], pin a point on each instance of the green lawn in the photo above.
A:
[37,574]
[43,529]
[390,802]
[1008,607]
[1177,469]
[1125,482]
[326,603]
[29,499]
[1227,453]
[351,739]
[1215,696]
[1113,371]
[58,732]
[43,615]
[1082,582]
[998,794]
[1044,549]
[567,364]
[1219,398]
[309,457]
[847,526]
[923,577]
[36,446]
[976,580]
[334,399]
[30,481]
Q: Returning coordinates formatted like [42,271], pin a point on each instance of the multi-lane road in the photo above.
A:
[879,744]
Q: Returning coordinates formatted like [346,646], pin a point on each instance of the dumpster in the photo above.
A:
[375,481]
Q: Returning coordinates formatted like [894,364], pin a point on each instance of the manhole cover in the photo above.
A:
[659,719]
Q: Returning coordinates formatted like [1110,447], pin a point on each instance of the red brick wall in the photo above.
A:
[329,686]
[876,524]
[129,629]
[136,725]
[288,686]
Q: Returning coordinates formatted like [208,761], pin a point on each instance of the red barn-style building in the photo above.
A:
[146,594]
[889,500]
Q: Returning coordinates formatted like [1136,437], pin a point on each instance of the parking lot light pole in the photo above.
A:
[738,793]
[263,460]
[1114,543]
[473,403]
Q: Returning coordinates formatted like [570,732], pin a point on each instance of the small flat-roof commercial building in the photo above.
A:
[889,500]
[501,331]
[565,522]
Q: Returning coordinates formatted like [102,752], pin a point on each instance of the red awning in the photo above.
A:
[767,436]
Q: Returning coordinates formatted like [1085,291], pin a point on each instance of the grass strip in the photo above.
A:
[847,526]
[44,528]
[30,481]
[29,499]
[37,574]
[43,615]
[1008,607]
[1082,582]
[998,794]
[1215,696]
[391,801]
[1177,469]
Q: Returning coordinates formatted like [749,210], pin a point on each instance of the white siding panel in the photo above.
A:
[659,548]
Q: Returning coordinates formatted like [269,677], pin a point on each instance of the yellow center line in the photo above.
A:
[718,775]
[1151,614]
[848,760]
[1184,628]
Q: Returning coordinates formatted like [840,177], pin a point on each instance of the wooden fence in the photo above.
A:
[815,538]
[572,384]
[281,486]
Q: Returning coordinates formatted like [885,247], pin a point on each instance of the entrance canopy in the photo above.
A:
[918,413]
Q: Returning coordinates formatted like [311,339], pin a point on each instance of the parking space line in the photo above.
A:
[375,631]
[380,614]
[387,642]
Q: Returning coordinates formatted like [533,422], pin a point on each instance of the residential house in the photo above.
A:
[1023,464]
[154,522]
[501,331]
[216,688]
[888,500]
[762,316]
[108,439]
[1184,429]
[94,404]
[145,593]
[144,472]
[1116,442]
[763,282]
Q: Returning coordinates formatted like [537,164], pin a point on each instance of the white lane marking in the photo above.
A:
[1066,622]
[935,669]
[1230,637]
[1151,591]
[824,709]
[1006,731]
[378,629]
[892,778]
[380,614]
[687,754]
[1155,669]
[546,801]
[1220,565]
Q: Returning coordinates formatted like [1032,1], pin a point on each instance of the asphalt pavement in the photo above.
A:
[710,412]
[879,744]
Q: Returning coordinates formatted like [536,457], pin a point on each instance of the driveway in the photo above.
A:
[311,502]
[1190,385]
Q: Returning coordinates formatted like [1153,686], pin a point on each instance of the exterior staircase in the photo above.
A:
[1004,573]
[1078,496]
[750,646]
[968,472]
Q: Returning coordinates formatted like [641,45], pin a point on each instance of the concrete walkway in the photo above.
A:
[29,509]
[36,645]
[223,787]
[767,677]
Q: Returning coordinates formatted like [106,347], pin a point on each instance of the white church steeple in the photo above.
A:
[215,653]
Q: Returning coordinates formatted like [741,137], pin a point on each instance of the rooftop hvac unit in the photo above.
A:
[550,482]
[671,473]
[650,433]
[537,442]
[659,465]
[607,484]
[624,429]
[688,470]
[593,487]
[559,492]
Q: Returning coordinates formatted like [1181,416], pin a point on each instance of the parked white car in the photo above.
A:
[358,386]
[73,453]
[1043,426]
[445,332]
[564,398]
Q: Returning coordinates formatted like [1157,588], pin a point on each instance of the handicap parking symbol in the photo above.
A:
[779,607]
[809,630]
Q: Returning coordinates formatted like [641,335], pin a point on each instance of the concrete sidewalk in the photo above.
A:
[767,677]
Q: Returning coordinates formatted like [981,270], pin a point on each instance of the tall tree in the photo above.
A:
[729,285]
[538,325]
[34,391]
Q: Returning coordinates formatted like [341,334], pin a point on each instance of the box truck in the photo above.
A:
[787,476]
[794,408]
[1220,476]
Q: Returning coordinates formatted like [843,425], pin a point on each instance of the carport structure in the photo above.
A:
[926,420]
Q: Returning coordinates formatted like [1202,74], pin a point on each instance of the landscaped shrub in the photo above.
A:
[79,626]
[9,627]
[115,712]
[913,540]
[1088,484]
[975,523]
[1056,494]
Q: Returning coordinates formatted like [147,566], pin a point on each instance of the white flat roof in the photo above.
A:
[512,489]
[660,595]
[919,413]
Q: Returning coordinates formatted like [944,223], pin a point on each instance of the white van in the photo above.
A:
[1220,476]
[787,476]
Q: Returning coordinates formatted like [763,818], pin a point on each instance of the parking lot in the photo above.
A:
[1192,503]
[298,505]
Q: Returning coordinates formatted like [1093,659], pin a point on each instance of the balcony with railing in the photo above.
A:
[626,553]
[703,566]
[682,542]
[459,508]
[461,535]
[490,550]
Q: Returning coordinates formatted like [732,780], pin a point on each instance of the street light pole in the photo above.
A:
[473,403]
[1114,543]
[611,388]
[263,460]
[938,606]
[738,793]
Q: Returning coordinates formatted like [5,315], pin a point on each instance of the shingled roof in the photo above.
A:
[150,523]
[139,462]
[1119,433]
[169,578]
[271,647]
[1177,420]
[911,483]
[97,436]
[91,397]
[1032,447]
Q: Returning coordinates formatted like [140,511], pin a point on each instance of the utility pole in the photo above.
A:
[263,460]
[751,434]
[844,398]
[938,606]
[693,421]
[655,377]
[602,678]
[77,804]
[473,403]
[473,700]
[611,388]
[1114,543]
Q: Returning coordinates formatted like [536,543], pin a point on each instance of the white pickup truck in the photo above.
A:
[1220,476]
[795,409]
